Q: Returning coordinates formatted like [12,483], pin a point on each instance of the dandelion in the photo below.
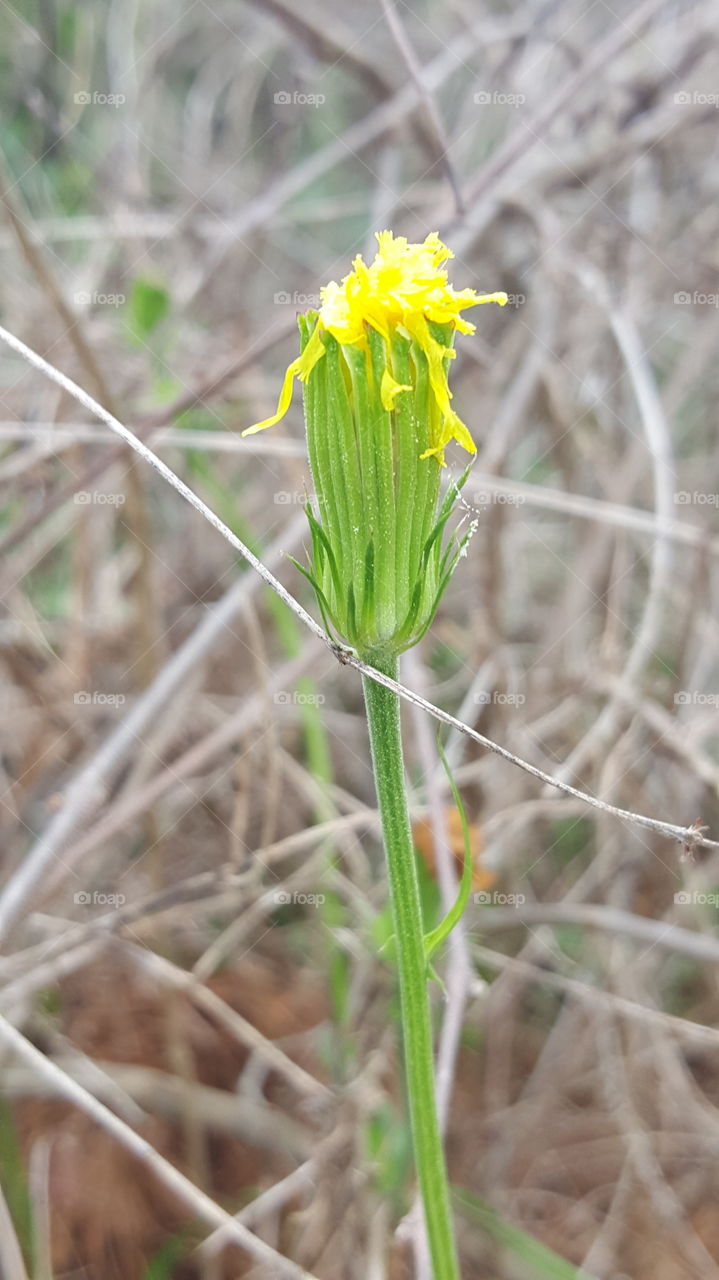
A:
[374,364]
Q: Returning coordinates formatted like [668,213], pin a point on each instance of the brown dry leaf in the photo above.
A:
[705,1221]
[108,1215]
[422,836]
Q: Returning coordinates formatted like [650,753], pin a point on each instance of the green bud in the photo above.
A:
[380,561]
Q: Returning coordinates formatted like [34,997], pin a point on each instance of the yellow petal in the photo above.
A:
[460,433]
[403,289]
[500,298]
[313,352]
[437,452]
[283,403]
[389,389]
[300,368]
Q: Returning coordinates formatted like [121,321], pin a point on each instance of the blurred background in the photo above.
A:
[193,907]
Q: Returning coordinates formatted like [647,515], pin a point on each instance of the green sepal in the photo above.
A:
[408,624]
[351,614]
[320,539]
[419,635]
[445,512]
[368,593]
[321,599]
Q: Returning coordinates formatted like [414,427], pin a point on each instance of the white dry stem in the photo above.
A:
[50,439]
[658,439]
[195,1201]
[613,920]
[19,889]
[164,973]
[595,998]
[12,1266]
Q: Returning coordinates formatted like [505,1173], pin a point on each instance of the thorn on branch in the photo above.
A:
[695,832]
[341,653]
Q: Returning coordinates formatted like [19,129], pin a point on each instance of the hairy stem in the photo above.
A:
[383,715]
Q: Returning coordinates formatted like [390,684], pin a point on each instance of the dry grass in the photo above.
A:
[193,902]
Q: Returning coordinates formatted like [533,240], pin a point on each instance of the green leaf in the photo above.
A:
[570,837]
[382,935]
[339,985]
[14,1182]
[149,304]
[389,1147]
[437,936]
[164,1263]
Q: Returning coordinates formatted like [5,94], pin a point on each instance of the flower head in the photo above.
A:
[404,291]
[374,365]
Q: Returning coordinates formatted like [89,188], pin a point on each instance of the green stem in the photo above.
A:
[383,715]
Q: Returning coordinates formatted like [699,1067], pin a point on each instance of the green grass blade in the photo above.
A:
[544,1262]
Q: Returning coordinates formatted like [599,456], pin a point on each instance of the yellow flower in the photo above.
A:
[404,290]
